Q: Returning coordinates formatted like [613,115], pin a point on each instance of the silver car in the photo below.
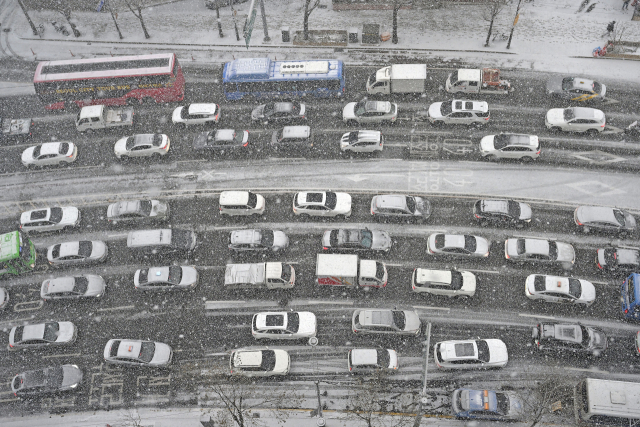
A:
[73,287]
[457,245]
[576,89]
[602,218]
[362,141]
[576,119]
[279,112]
[365,111]
[356,239]
[258,240]
[46,380]
[137,353]
[166,278]
[142,145]
[138,210]
[78,252]
[400,206]
[50,153]
[322,203]
[382,321]
[540,251]
[196,114]
[259,362]
[50,219]
[43,335]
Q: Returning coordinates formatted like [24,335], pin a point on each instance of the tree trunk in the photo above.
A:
[394,38]
[486,43]
[305,23]
[31,24]
[144,28]
[115,23]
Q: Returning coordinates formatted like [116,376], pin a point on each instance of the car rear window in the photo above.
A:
[439,241]
[331,200]
[81,285]
[539,283]
[575,289]
[411,204]
[456,280]
[175,274]
[55,252]
[268,360]
[253,200]
[147,349]
[399,318]
[470,243]
[64,148]
[17,335]
[483,350]
[267,238]
[383,357]
[514,209]
[113,351]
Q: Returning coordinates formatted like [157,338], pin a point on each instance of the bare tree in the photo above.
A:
[489,13]
[308,8]
[65,10]
[239,398]
[543,394]
[113,16]
[136,6]
[131,418]
[366,404]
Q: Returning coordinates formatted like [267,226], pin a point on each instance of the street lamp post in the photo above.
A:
[513,26]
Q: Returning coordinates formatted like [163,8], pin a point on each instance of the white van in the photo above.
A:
[238,203]
[162,241]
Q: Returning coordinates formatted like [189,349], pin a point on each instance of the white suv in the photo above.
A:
[365,111]
[196,114]
[237,203]
[259,363]
[459,112]
[362,141]
[322,203]
[510,146]
[451,283]
[575,119]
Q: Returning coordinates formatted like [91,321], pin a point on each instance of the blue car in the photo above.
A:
[487,405]
[630,297]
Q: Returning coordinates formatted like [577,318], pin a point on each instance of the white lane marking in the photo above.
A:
[225,302]
[124,307]
[117,236]
[61,355]
[595,370]
[536,316]
[423,307]
[330,302]
[483,271]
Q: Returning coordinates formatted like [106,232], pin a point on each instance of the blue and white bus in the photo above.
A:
[630,297]
[264,78]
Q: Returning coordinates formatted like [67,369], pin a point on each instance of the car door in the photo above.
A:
[140,150]
[46,159]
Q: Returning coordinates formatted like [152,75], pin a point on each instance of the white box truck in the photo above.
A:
[348,270]
[398,78]
[101,117]
[263,275]
[486,80]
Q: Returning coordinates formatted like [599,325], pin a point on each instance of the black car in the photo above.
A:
[572,337]
[502,212]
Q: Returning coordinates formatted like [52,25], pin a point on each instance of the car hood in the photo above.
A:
[588,291]
[468,281]
[412,321]
[162,355]
[497,351]
[280,240]
[71,375]
[598,340]
[348,112]
[380,241]
[423,207]
[27,155]
[554,85]
[343,203]
[630,221]
[393,359]
[70,215]
[600,257]
[434,110]
[175,117]
[555,116]
[3,295]
[95,285]
[66,332]
[486,143]
[565,252]
[308,324]
[525,211]
[257,113]
[99,249]
[603,92]
[482,245]
[200,140]
[121,145]
[189,275]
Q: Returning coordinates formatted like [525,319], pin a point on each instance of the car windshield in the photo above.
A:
[268,360]
[398,318]
[366,238]
[597,87]
[253,200]
[501,141]
[483,351]
[411,204]
[147,349]
[567,83]
[619,217]
[353,137]
[56,215]
[439,241]
[521,247]
[144,274]
[383,357]
[470,243]
[145,207]
[503,403]
[51,331]
[513,208]
[610,256]
[331,200]
[553,250]
[81,285]
[181,238]
[64,148]
[575,290]
[293,322]
[446,108]
[267,238]
[586,336]
[184,114]
[130,143]
[55,251]
[175,274]
[359,107]
[36,151]
[568,114]
[268,109]
[333,237]
[380,270]
[286,272]
[84,248]
[456,280]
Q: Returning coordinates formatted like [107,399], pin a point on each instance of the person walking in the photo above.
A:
[625,5]
[610,27]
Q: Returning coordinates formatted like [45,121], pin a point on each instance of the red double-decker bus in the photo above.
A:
[110,81]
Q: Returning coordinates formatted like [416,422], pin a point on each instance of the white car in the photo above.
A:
[4,298]
[50,153]
[138,210]
[196,114]
[451,283]
[471,354]
[166,278]
[604,218]
[457,245]
[575,119]
[73,287]
[384,321]
[137,353]
[362,141]
[43,334]
[365,111]
[284,325]
[258,240]
[322,203]
[563,290]
[78,252]
[50,219]
[459,112]
[541,251]
[510,146]
[372,360]
[142,145]
[259,363]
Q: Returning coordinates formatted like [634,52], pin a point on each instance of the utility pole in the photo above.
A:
[264,23]
[515,21]
[396,6]
[33,27]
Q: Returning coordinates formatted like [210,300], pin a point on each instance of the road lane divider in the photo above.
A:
[123,307]
[51,356]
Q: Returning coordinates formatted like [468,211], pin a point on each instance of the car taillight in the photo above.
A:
[477,216]
[538,152]
[578,222]
[372,212]
[598,264]
[324,248]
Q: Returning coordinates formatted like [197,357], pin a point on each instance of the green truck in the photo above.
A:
[17,253]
